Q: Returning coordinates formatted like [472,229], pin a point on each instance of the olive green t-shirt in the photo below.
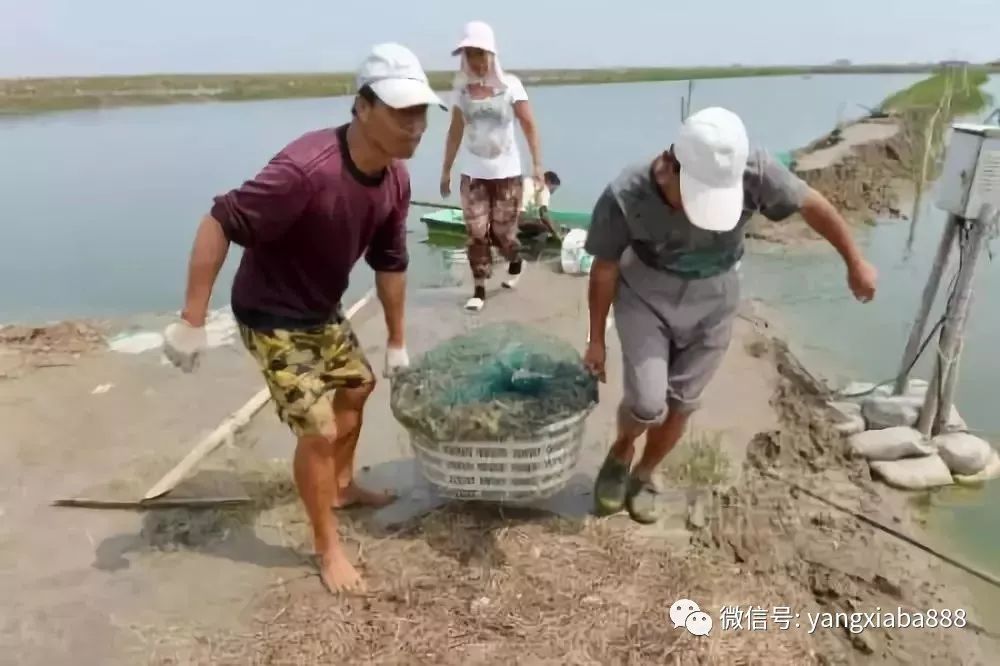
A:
[631,212]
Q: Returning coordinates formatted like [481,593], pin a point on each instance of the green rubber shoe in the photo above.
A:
[611,486]
[642,501]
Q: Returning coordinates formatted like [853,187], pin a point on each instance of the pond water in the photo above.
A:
[99,207]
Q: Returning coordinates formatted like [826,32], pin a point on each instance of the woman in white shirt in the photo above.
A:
[486,102]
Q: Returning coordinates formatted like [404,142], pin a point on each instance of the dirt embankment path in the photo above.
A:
[785,578]
[864,168]
[453,583]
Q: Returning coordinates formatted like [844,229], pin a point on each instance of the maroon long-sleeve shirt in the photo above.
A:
[304,221]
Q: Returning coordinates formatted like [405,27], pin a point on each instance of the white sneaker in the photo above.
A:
[474,304]
[511,281]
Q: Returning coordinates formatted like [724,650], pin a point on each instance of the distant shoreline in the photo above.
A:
[24,96]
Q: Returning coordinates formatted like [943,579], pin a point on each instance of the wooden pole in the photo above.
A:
[926,302]
[929,137]
[953,333]
[686,101]
[226,430]
[158,503]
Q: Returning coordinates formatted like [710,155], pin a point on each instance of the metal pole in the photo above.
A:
[686,101]
[953,334]
[927,301]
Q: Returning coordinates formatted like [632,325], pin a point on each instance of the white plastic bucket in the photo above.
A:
[574,259]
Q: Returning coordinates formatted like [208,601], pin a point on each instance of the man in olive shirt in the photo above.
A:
[667,239]
[324,201]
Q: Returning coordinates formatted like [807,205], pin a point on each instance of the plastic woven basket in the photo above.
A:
[509,472]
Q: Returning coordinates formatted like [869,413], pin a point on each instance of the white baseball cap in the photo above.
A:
[477,35]
[394,74]
[712,149]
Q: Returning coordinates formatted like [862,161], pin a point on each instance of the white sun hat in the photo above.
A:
[394,74]
[477,35]
[712,149]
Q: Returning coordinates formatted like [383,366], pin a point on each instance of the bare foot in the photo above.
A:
[354,494]
[338,574]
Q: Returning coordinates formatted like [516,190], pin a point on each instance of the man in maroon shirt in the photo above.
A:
[325,200]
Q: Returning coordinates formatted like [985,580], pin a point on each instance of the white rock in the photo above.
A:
[963,453]
[913,473]
[891,411]
[990,472]
[891,444]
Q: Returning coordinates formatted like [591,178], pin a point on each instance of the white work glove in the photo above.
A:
[396,359]
[183,344]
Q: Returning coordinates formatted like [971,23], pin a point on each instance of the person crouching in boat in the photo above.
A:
[486,102]
[535,201]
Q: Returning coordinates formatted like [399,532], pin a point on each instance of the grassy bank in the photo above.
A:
[962,87]
[926,110]
[861,165]
[22,96]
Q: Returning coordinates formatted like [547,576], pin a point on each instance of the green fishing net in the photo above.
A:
[497,382]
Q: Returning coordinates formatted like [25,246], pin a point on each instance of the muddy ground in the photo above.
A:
[449,583]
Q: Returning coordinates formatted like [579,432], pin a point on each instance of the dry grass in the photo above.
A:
[472,584]
[699,460]
[65,336]
[469,585]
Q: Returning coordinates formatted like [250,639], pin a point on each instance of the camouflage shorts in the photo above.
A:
[491,209]
[302,368]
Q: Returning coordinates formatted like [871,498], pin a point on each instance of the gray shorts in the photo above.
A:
[674,333]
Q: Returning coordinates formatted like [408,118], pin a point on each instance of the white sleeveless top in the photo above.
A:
[490,146]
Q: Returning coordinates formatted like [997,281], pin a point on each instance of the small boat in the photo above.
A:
[447,224]
[786,158]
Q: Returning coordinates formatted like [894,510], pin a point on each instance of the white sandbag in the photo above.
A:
[845,409]
[955,422]
[891,444]
[852,426]
[963,453]
[861,391]
[990,472]
[847,418]
[574,259]
[913,473]
[891,411]
[916,388]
